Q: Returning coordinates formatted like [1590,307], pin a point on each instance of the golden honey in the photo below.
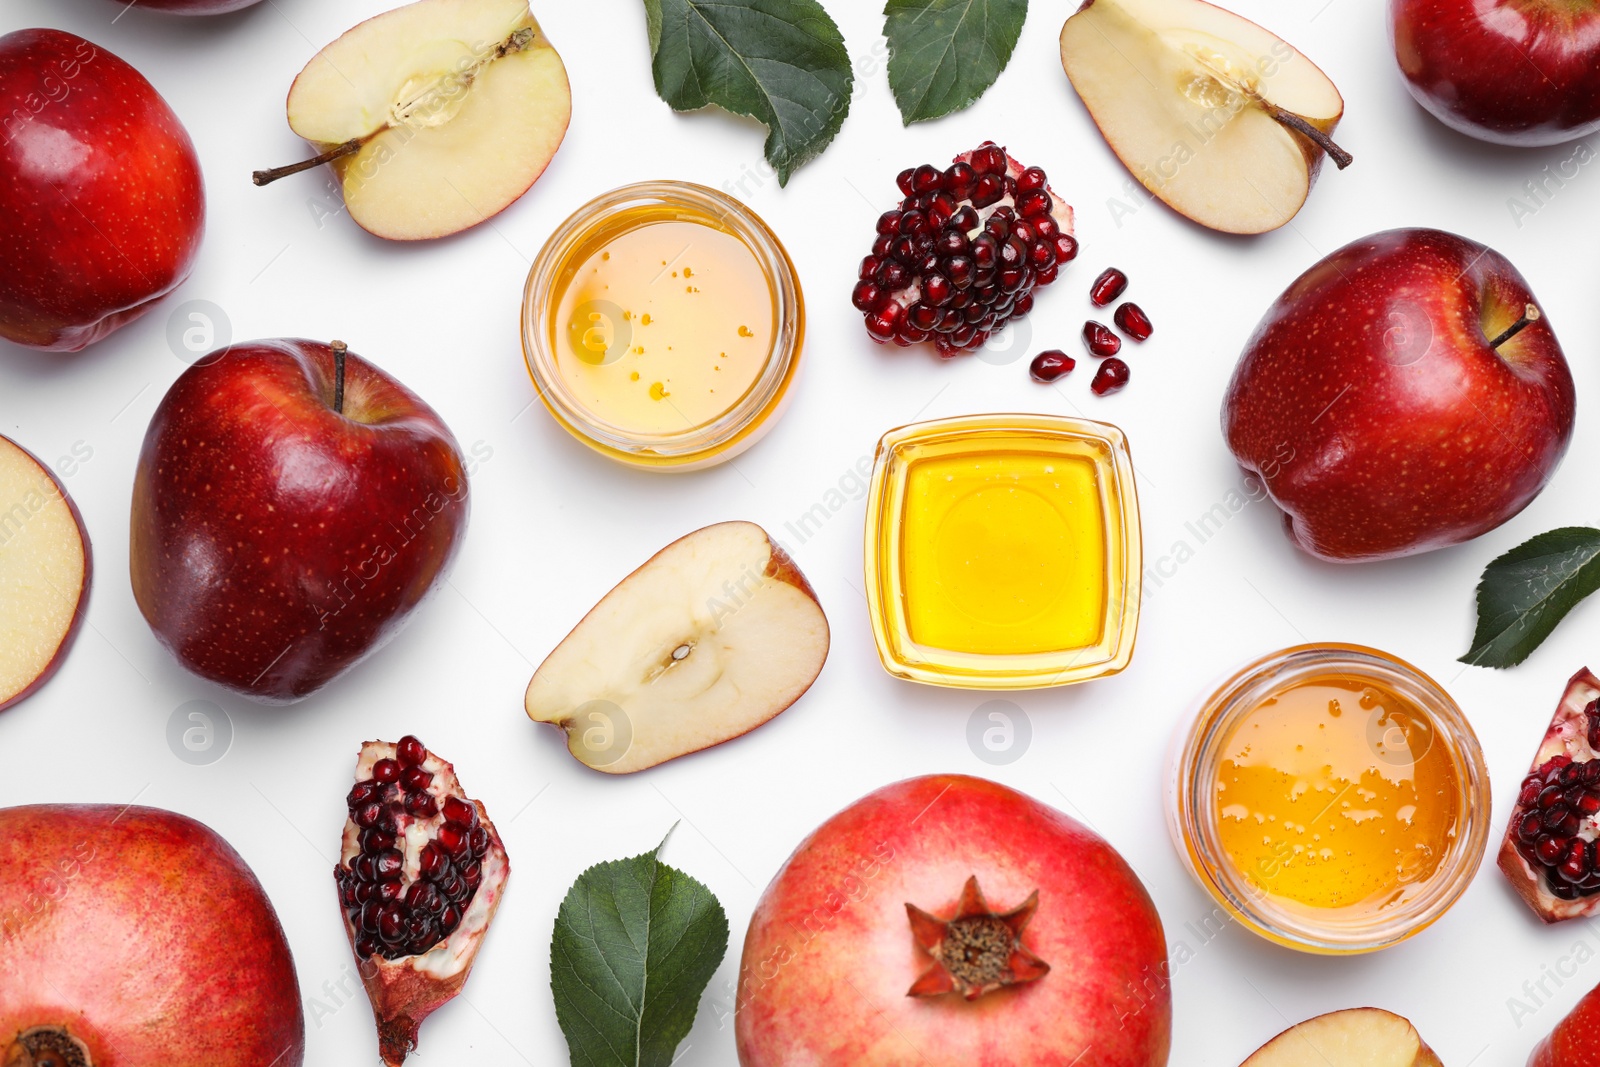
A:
[1003,551]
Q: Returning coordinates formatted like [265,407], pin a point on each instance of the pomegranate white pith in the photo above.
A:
[1550,852]
[963,253]
[406,984]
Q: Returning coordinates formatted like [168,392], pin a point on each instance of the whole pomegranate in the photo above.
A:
[1550,852]
[136,937]
[951,920]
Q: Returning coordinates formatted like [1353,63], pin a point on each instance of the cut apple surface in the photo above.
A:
[714,635]
[1355,1037]
[435,116]
[44,573]
[1218,117]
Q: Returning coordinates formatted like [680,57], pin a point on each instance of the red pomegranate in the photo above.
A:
[951,920]
[136,937]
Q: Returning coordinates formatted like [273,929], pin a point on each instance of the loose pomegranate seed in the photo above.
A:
[1099,340]
[1108,286]
[410,751]
[1050,365]
[1112,375]
[1131,320]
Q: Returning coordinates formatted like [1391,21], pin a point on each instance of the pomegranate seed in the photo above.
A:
[1099,340]
[1108,286]
[987,190]
[368,815]
[1550,849]
[453,839]
[423,896]
[455,887]
[361,793]
[869,267]
[927,178]
[433,863]
[889,222]
[460,812]
[880,246]
[1529,827]
[1050,365]
[1591,772]
[375,841]
[1066,248]
[1030,179]
[369,916]
[385,770]
[479,840]
[988,160]
[1112,375]
[936,289]
[1131,320]
[410,751]
[1025,304]
[366,947]
[904,250]
[1529,795]
[1036,202]
[1550,796]
[449,919]
[866,296]
[421,805]
[922,316]
[415,779]
[387,891]
[883,323]
[903,180]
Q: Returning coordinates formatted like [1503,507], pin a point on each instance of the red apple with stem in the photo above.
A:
[1404,394]
[1514,72]
[949,919]
[136,937]
[101,200]
[292,505]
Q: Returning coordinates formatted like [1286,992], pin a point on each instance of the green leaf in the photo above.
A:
[944,54]
[635,944]
[1524,593]
[781,62]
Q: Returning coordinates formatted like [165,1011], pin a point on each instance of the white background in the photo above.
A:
[555,526]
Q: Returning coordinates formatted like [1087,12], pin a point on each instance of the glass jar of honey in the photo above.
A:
[1331,797]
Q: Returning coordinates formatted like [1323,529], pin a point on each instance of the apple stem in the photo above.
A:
[1340,157]
[267,177]
[1529,314]
[339,350]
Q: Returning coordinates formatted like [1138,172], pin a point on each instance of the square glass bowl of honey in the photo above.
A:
[1002,551]
[1333,798]
[662,324]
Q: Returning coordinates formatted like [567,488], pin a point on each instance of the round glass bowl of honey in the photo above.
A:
[1332,798]
[662,324]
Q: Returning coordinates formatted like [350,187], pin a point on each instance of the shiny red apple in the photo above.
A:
[136,937]
[1515,72]
[951,920]
[1404,394]
[292,505]
[101,200]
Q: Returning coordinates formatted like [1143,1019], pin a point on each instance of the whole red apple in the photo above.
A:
[1575,1042]
[1404,394]
[101,200]
[136,937]
[292,505]
[1515,72]
[950,920]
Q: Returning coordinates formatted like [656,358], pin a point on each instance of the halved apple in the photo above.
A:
[435,116]
[714,635]
[44,573]
[1221,119]
[1355,1037]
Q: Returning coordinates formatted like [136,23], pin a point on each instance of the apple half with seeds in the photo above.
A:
[44,573]
[711,637]
[1354,1037]
[434,116]
[1221,119]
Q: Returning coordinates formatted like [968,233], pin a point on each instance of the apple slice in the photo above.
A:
[1217,117]
[44,573]
[1355,1037]
[714,635]
[435,116]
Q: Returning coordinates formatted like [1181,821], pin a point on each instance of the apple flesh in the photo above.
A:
[1355,1037]
[102,205]
[836,972]
[292,505]
[435,116]
[1221,119]
[713,636]
[44,573]
[1512,72]
[1378,412]
[136,937]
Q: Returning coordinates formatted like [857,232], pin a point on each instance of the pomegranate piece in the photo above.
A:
[1050,365]
[420,876]
[1112,375]
[1099,340]
[135,936]
[963,253]
[1550,852]
[1108,286]
[1131,320]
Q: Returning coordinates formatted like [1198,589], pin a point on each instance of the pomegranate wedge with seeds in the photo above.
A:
[963,253]
[1550,851]
[421,873]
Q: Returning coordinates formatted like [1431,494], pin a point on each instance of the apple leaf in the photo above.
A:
[1526,592]
[944,54]
[635,943]
[781,62]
